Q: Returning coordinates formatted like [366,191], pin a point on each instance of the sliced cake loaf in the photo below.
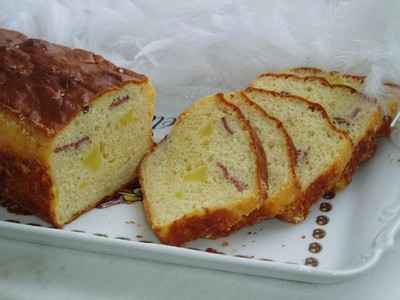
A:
[390,103]
[349,110]
[207,176]
[322,150]
[73,127]
[283,185]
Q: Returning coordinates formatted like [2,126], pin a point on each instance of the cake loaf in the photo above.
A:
[206,176]
[73,127]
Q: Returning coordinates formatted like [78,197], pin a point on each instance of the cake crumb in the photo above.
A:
[130,222]
[303,237]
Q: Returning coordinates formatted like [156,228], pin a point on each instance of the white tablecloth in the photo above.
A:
[29,271]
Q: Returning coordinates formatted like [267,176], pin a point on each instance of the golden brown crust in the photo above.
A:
[205,223]
[11,37]
[317,72]
[211,222]
[208,223]
[27,182]
[17,136]
[362,151]
[393,85]
[307,69]
[298,210]
[360,78]
[47,85]
[393,104]
[324,183]
[320,80]
[286,76]
[385,130]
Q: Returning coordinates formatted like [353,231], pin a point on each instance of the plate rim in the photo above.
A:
[189,257]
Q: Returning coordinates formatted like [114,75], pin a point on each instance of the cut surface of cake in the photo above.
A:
[390,102]
[360,117]
[206,176]
[73,127]
[283,185]
[322,150]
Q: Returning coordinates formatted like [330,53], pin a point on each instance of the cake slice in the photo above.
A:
[283,184]
[206,176]
[360,117]
[390,102]
[73,127]
[322,151]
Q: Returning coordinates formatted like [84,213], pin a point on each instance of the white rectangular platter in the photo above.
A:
[342,237]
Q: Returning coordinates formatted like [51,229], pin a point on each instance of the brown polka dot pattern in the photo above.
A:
[322,220]
[319,233]
[325,207]
[311,261]
[315,247]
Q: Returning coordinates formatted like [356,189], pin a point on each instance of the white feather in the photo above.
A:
[193,47]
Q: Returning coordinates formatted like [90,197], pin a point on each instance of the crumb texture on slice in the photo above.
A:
[101,149]
[206,176]
[348,109]
[389,102]
[354,81]
[360,117]
[283,187]
[322,151]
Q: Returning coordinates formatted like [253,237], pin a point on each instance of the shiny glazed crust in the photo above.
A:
[298,210]
[47,85]
[212,222]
